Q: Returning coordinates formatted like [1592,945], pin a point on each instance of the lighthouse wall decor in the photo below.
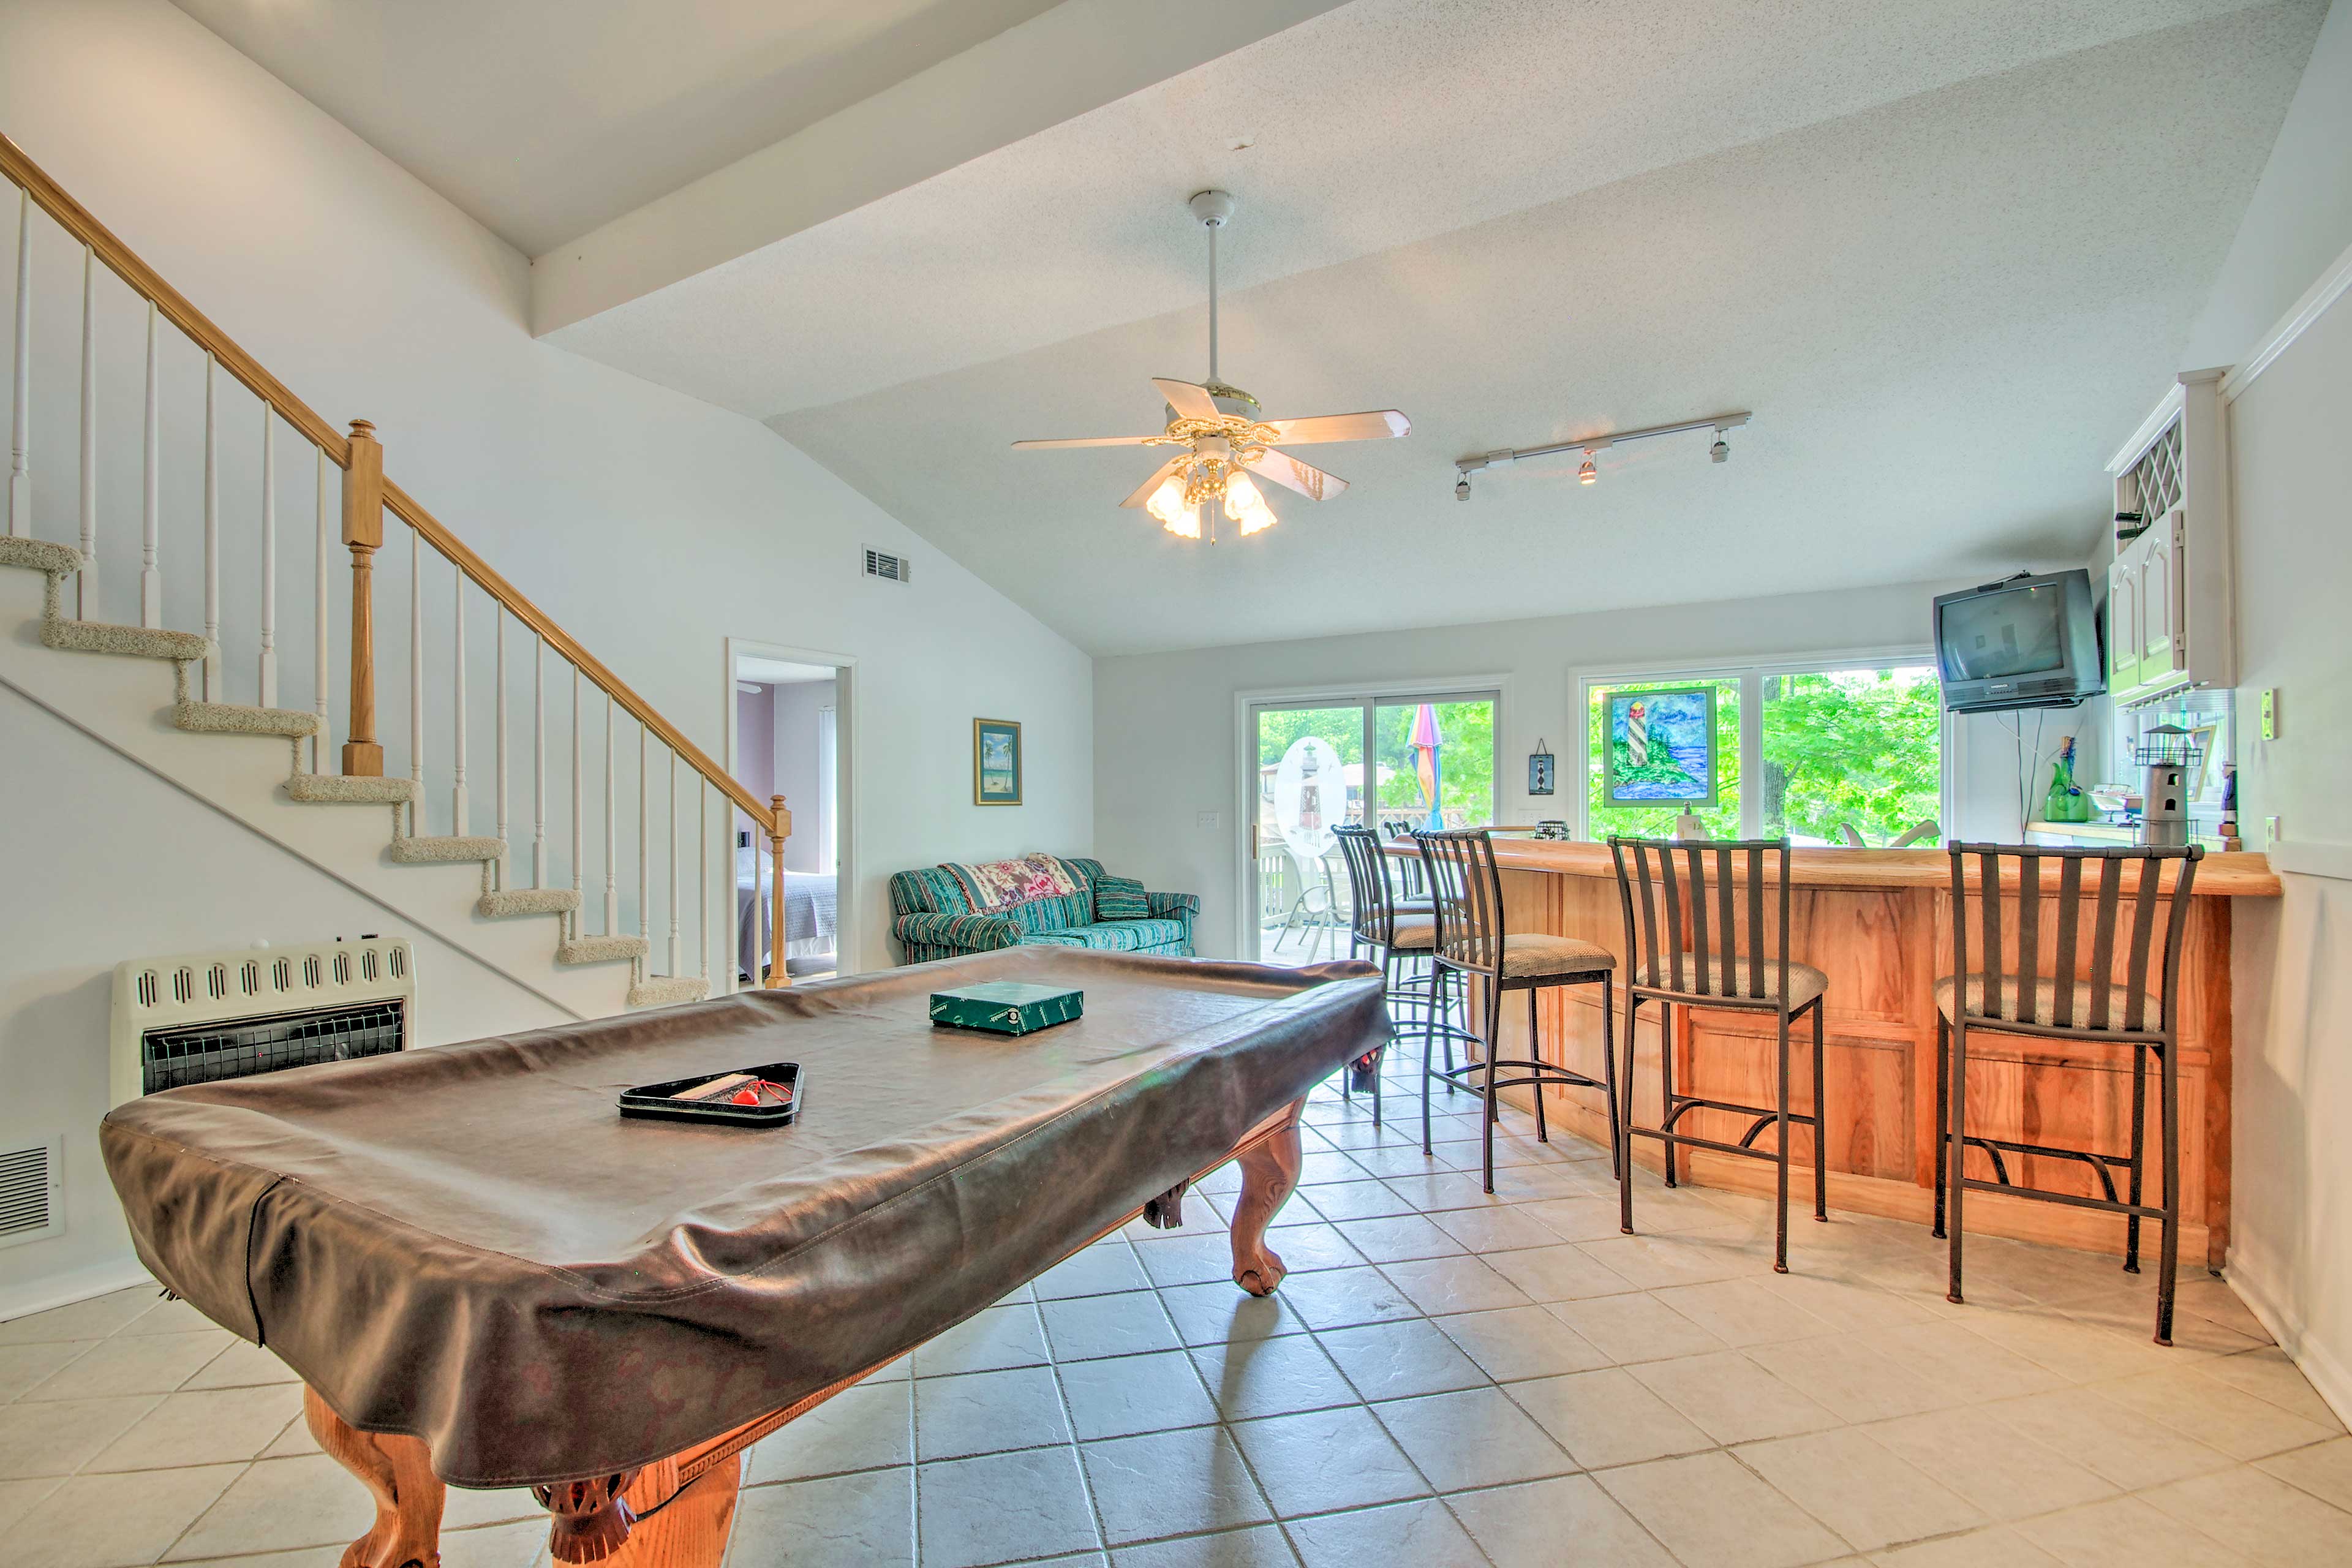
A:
[1659,748]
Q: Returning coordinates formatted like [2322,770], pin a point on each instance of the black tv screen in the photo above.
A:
[2011,633]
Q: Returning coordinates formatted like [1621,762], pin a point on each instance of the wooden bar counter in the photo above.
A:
[1879,922]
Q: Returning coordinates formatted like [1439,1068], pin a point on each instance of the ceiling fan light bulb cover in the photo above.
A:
[1184,523]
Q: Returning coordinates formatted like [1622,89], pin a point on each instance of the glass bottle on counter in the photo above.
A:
[2066,802]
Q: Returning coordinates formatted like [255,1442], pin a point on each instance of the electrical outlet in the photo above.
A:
[2270,713]
[1208,820]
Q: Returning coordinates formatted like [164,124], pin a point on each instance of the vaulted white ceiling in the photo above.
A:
[1946,254]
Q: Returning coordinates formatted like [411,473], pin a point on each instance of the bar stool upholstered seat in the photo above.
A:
[1528,954]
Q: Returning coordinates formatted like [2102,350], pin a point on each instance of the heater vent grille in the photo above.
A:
[31,1206]
[208,1016]
[888,567]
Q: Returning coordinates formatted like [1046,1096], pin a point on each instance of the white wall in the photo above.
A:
[2291,1247]
[651,525]
[1164,722]
[104,861]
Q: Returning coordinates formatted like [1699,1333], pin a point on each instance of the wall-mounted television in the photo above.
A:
[2028,642]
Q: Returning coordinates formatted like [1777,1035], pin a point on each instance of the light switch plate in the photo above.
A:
[1209,819]
[2270,713]
[2270,831]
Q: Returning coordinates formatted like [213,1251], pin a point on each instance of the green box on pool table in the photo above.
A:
[1007,1007]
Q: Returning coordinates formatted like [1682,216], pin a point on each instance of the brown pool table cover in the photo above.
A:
[469,1246]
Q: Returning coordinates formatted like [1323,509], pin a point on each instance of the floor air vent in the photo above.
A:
[891,568]
[31,1204]
[201,1019]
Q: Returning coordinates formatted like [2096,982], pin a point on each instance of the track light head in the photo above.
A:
[1721,450]
[1586,474]
[1462,487]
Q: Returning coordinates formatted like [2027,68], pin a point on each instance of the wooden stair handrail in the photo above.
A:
[403,505]
[124,263]
[144,279]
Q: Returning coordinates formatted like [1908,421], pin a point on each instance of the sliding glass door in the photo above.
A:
[1433,764]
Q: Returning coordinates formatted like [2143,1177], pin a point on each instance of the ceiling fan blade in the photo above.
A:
[1374,425]
[1189,401]
[1291,474]
[1082,441]
[1159,476]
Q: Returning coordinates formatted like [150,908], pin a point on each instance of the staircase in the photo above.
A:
[98,674]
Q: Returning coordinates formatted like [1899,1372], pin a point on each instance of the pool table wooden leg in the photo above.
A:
[691,1531]
[1269,1171]
[395,1470]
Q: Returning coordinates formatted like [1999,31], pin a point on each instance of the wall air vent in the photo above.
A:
[218,1016]
[32,1199]
[891,568]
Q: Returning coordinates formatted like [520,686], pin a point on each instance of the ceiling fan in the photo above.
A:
[1222,436]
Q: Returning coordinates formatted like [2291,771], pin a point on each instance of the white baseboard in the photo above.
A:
[22,1300]
[2329,1377]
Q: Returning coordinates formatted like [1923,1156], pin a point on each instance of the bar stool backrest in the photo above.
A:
[1371,914]
[1713,896]
[2014,968]
[1466,892]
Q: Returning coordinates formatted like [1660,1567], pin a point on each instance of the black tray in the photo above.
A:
[652,1101]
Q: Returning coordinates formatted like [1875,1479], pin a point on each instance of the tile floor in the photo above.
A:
[1444,1379]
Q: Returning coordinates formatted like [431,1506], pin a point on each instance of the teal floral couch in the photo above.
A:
[1037,901]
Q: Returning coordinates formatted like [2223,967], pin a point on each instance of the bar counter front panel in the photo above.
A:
[1879,924]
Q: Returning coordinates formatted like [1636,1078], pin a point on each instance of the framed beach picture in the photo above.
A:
[1661,748]
[995,761]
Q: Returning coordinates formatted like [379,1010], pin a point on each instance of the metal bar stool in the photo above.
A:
[1467,892]
[1403,935]
[2073,1001]
[1726,964]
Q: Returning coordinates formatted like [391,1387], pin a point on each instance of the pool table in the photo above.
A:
[487,1278]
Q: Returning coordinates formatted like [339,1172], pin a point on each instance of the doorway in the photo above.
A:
[790,733]
[1431,764]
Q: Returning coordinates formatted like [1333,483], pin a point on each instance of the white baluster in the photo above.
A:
[461,818]
[702,876]
[673,864]
[86,580]
[644,823]
[321,675]
[268,557]
[216,683]
[20,427]
[416,813]
[539,762]
[612,834]
[579,811]
[500,611]
[151,570]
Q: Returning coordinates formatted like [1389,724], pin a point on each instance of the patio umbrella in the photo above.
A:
[1424,743]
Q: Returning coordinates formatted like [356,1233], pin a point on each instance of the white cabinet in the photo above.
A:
[2171,595]
[2123,622]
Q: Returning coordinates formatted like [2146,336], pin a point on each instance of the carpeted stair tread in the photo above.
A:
[429,850]
[40,555]
[237,719]
[665,991]
[600,949]
[337,789]
[135,642]
[527,901]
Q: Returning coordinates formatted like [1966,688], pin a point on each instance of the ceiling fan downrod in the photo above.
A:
[1215,210]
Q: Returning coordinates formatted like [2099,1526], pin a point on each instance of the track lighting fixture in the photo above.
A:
[1587,473]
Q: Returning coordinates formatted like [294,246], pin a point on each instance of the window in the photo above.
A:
[1823,751]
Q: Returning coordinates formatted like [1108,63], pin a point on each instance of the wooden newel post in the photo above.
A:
[363,533]
[783,830]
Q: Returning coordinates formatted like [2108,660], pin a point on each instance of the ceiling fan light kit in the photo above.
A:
[1223,436]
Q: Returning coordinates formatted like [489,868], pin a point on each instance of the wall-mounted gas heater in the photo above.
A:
[218,1015]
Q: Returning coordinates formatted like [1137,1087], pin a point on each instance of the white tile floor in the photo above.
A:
[1446,1378]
